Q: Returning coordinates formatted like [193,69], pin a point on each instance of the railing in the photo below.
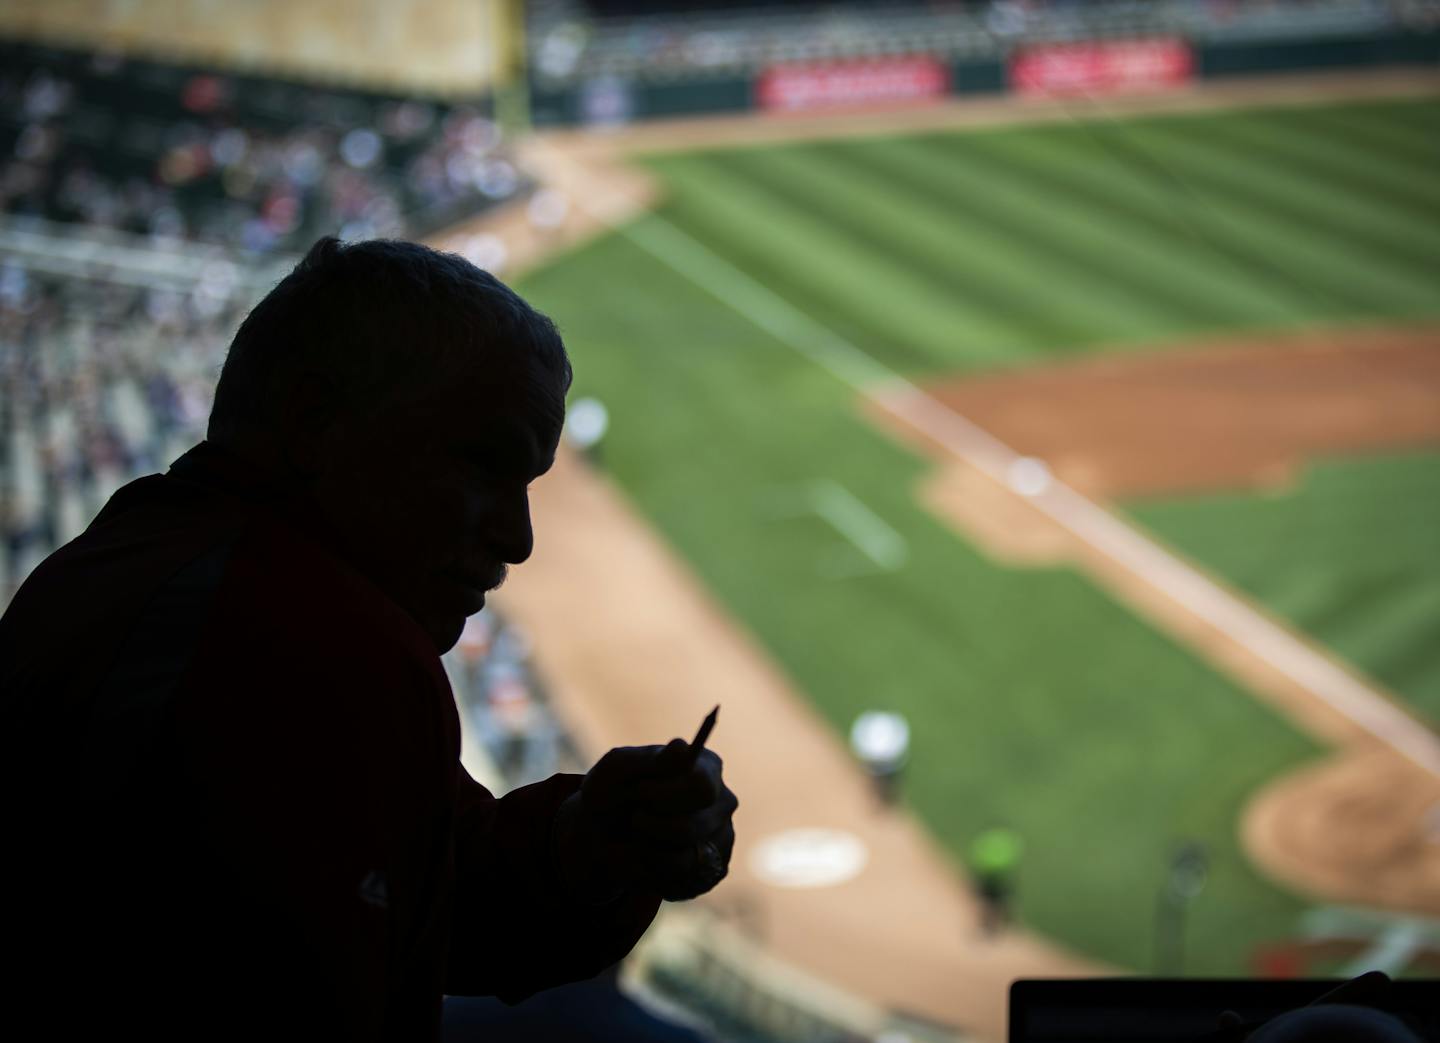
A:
[721,973]
[87,252]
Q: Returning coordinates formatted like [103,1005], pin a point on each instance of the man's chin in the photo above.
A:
[444,617]
[444,633]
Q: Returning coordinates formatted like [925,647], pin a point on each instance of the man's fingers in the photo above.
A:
[675,831]
[654,865]
[674,777]
[626,762]
[696,782]
[679,758]
[694,871]
[676,756]
[665,828]
[675,871]
[607,783]
[691,791]
[664,813]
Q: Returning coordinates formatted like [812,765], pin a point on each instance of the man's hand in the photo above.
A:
[647,818]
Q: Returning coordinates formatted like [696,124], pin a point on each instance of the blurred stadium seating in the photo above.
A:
[179,152]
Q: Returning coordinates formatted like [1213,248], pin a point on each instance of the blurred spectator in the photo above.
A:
[880,740]
[994,861]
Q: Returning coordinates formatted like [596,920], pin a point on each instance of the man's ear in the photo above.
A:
[311,420]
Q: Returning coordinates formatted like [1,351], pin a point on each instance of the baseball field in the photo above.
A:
[1224,327]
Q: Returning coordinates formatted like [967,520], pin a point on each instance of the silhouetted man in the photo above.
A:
[235,808]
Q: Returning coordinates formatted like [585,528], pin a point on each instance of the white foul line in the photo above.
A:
[848,515]
[860,525]
[1084,519]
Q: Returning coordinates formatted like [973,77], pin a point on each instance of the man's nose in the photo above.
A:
[511,534]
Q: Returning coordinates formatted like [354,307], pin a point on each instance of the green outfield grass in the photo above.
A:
[1037,700]
[1351,555]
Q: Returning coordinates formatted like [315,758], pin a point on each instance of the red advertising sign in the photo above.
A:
[1102,66]
[816,85]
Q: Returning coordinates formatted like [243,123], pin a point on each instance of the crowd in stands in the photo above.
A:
[507,714]
[107,375]
[183,153]
[99,383]
[574,42]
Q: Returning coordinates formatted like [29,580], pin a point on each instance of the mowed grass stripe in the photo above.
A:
[805,261]
[1397,124]
[1381,171]
[1136,224]
[1382,622]
[946,244]
[843,276]
[698,219]
[1387,169]
[1349,556]
[1241,532]
[1287,223]
[1246,215]
[1363,600]
[1406,230]
[1367,129]
[1412,667]
[814,189]
[1419,118]
[1062,256]
[1092,234]
[1420,157]
[1399,616]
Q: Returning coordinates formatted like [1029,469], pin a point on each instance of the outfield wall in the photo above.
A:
[1355,52]
[616,101]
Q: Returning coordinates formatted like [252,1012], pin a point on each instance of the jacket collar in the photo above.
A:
[219,470]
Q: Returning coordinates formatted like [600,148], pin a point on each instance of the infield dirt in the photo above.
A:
[1226,415]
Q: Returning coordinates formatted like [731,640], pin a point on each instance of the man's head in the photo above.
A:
[411,398]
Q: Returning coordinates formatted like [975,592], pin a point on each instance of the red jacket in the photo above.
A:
[235,790]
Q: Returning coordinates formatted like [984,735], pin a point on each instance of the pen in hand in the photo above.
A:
[706,727]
